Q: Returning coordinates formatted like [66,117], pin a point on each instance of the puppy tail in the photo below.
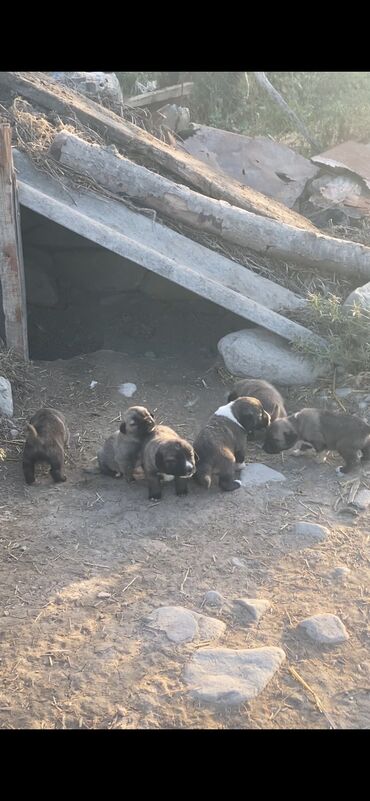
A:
[32,435]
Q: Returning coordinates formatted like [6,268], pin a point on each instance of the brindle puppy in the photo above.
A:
[167,456]
[121,451]
[324,431]
[269,396]
[46,439]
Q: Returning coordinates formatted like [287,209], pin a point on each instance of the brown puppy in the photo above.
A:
[121,450]
[47,436]
[270,398]
[324,431]
[221,445]
[166,456]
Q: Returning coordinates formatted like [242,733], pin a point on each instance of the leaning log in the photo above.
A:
[42,90]
[124,177]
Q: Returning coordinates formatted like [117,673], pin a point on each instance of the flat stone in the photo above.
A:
[183,625]
[6,397]
[256,474]
[326,629]
[127,389]
[256,607]
[310,531]
[362,499]
[230,677]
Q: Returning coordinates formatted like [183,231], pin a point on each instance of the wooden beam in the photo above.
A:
[11,253]
[169,93]
[41,89]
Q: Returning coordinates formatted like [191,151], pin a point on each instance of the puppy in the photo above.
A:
[324,431]
[47,437]
[120,452]
[221,445]
[270,398]
[166,456]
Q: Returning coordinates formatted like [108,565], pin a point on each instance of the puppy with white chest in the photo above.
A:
[221,445]
[46,439]
[324,431]
[269,396]
[165,457]
[120,452]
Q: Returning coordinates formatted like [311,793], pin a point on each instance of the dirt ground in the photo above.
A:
[72,658]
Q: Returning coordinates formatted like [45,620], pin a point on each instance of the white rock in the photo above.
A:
[104,594]
[183,625]
[359,297]
[93,384]
[326,629]
[260,354]
[259,473]
[230,677]
[6,397]
[362,499]
[256,607]
[128,390]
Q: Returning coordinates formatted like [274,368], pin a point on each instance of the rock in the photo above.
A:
[326,629]
[339,573]
[103,87]
[238,562]
[362,405]
[258,473]
[128,390]
[311,532]
[359,297]
[343,392]
[230,677]
[213,598]
[14,433]
[183,625]
[362,499]
[255,353]
[104,595]
[6,397]
[256,607]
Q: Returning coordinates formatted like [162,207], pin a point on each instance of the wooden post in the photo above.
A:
[11,254]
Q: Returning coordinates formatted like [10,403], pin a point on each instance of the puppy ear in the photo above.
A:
[122,428]
[275,411]
[159,462]
[266,419]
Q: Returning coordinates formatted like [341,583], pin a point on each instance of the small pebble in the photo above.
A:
[213,598]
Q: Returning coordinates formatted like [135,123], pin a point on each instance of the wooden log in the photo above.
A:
[122,176]
[276,97]
[49,94]
[11,254]
[169,93]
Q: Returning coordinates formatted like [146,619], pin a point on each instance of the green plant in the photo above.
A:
[346,331]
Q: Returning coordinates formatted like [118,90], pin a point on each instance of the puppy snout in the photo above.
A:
[190,468]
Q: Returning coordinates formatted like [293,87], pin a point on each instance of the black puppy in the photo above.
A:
[166,456]
[47,436]
[324,431]
[221,445]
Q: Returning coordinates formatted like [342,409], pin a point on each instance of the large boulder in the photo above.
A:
[359,297]
[256,353]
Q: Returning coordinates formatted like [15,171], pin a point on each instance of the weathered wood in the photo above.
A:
[47,93]
[120,175]
[11,254]
[176,92]
[267,86]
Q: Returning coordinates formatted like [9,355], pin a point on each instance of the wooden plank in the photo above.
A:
[169,93]
[11,254]
[41,89]
[91,217]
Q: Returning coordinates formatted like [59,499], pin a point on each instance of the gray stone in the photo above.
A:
[6,397]
[230,677]
[238,562]
[255,353]
[310,531]
[362,499]
[127,389]
[362,405]
[256,607]
[359,297]
[183,625]
[213,598]
[339,573]
[254,474]
[325,629]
